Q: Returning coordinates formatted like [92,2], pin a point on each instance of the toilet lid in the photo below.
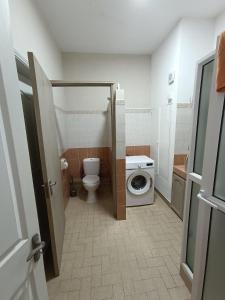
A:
[91,179]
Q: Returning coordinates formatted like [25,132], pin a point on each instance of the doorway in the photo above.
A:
[36,168]
[29,100]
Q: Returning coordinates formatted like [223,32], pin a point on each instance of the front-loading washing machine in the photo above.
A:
[139,180]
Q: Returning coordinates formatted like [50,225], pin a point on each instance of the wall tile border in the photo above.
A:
[138,110]
[81,112]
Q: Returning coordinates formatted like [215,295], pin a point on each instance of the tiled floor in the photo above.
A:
[136,259]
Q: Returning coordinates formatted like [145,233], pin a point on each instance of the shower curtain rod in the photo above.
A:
[64,83]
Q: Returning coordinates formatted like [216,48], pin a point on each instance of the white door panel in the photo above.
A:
[8,214]
[194,178]
[19,279]
[209,261]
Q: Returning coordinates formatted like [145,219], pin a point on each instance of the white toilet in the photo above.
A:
[91,179]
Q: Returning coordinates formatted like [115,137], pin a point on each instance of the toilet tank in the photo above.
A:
[91,166]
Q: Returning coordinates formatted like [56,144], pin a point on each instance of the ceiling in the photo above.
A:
[119,26]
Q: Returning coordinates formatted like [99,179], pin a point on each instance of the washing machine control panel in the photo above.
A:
[145,165]
[139,162]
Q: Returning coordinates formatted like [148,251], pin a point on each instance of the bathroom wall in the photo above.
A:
[75,158]
[38,39]
[219,26]
[131,71]
[188,42]
[138,127]
[196,40]
[164,60]
[183,128]
[85,129]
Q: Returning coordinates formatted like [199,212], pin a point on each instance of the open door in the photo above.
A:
[209,259]
[21,266]
[50,162]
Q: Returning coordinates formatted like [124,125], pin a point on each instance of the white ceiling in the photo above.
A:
[119,26]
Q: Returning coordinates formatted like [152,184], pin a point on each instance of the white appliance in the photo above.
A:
[139,180]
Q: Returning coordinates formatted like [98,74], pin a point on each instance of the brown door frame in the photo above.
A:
[112,86]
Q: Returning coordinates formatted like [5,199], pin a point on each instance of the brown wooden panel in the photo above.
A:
[50,162]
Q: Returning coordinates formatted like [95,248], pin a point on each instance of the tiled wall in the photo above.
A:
[183,128]
[61,130]
[138,150]
[180,159]
[65,184]
[138,126]
[86,129]
[75,158]
[121,189]
[88,134]
[82,128]
[120,156]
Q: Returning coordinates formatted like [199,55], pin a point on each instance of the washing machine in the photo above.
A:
[139,180]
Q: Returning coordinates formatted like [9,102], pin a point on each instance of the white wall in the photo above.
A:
[219,27]
[196,40]
[131,71]
[183,128]
[164,60]
[30,33]
[86,129]
[138,127]
[186,44]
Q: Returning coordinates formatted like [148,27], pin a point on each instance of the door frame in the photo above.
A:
[207,202]
[112,87]
[115,170]
[23,71]
[185,271]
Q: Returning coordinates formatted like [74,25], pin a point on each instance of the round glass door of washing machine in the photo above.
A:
[139,182]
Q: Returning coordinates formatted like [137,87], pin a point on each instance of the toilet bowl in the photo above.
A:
[91,183]
[91,179]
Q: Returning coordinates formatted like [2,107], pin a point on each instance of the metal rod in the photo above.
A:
[63,83]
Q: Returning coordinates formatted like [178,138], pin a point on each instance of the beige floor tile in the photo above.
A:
[85,294]
[128,287]
[100,293]
[119,260]
[73,296]
[118,292]
[169,281]
[148,273]
[81,272]
[179,293]
[145,285]
[137,297]
[70,285]
[153,295]
[110,279]
[60,296]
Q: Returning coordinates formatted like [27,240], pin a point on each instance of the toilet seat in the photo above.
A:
[91,179]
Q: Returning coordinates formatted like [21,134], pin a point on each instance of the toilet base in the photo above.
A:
[91,198]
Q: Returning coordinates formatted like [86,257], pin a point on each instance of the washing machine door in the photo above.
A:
[139,182]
